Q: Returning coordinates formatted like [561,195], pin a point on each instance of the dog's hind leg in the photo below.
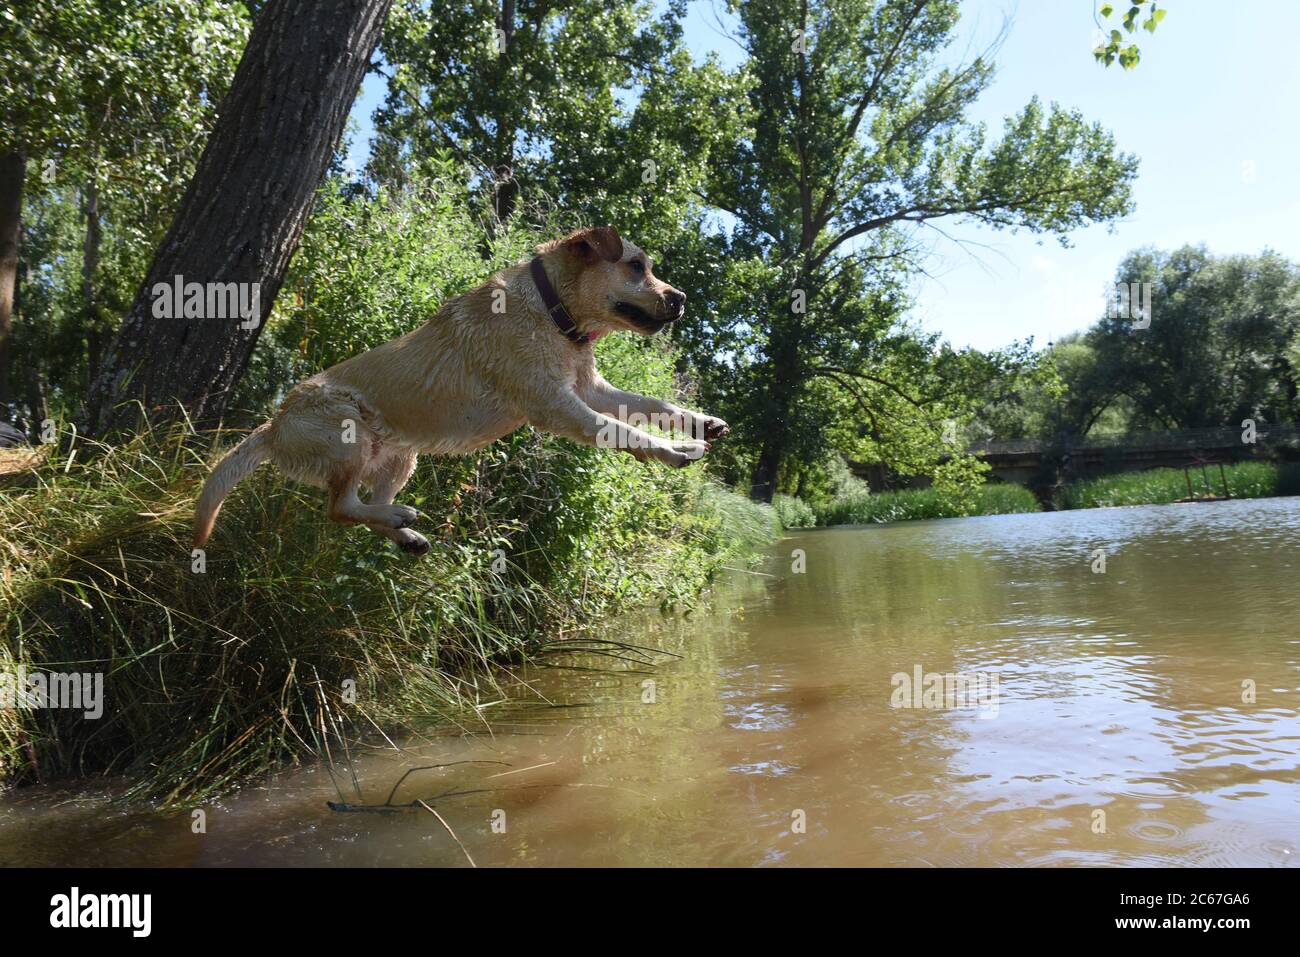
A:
[346,506]
[385,482]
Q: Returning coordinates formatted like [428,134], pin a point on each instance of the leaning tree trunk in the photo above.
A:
[242,213]
[13,171]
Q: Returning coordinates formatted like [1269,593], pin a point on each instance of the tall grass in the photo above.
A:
[740,524]
[793,512]
[1160,486]
[861,507]
[298,632]
[857,505]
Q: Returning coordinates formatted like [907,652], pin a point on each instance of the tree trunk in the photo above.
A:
[763,481]
[37,410]
[776,402]
[241,216]
[89,266]
[13,171]
[776,438]
[506,187]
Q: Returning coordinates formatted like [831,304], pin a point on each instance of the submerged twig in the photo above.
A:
[433,767]
[747,571]
[501,774]
[449,831]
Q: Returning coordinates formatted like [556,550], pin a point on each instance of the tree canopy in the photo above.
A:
[856,138]
[788,195]
[1222,345]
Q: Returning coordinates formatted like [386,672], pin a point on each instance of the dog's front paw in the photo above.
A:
[681,454]
[413,543]
[399,516]
[715,428]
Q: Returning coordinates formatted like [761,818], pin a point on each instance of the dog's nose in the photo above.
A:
[676,302]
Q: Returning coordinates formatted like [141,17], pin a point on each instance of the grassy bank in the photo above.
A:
[299,632]
[855,505]
[859,507]
[1161,486]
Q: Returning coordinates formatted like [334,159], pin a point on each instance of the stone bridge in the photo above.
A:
[1036,462]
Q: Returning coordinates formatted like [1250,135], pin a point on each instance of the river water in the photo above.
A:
[1144,714]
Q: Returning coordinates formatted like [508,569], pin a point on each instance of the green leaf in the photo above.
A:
[1107,9]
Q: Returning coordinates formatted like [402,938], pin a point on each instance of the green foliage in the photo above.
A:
[1161,486]
[370,269]
[214,676]
[1112,47]
[863,507]
[107,78]
[798,170]
[793,512]
[112,102]
[217,675]
[743,524]
[596,105]
[1223,345]
[1216,350]
[856,135]
[1071,393]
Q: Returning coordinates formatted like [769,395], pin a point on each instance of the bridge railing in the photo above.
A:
[1188,439]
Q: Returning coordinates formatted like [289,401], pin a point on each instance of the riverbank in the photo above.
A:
[778,699]
[861,508]
[858,506]
[288,634]
[1165,486]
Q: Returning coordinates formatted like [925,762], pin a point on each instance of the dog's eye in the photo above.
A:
[638,267]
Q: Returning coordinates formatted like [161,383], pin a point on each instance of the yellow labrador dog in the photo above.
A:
[516,349]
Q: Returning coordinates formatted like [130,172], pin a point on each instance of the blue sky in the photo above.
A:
[1210,111]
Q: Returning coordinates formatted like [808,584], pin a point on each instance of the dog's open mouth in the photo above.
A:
[639,316]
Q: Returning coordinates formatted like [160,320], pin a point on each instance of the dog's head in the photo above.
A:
[608,283]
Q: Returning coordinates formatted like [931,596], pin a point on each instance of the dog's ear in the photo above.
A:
[596,243]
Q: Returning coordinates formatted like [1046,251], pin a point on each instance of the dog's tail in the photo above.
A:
[243,458]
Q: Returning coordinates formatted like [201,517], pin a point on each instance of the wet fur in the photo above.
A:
[462,380]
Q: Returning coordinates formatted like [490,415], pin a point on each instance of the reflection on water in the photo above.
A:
[1124,731]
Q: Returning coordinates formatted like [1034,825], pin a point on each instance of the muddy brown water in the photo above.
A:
[1144,715]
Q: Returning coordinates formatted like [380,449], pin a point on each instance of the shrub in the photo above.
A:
[298,631]
[862,507]
[1160,486]
[216,674]
[793,512]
